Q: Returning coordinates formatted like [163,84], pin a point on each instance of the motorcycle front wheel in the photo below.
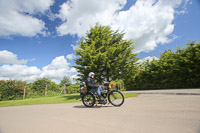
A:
[116,98]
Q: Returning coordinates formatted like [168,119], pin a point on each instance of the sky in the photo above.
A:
[37,38]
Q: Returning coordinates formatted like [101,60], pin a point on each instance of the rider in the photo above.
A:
[93,87]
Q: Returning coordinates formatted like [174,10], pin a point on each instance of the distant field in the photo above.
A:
[51,100]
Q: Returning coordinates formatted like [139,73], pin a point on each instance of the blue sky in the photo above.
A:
[37,37]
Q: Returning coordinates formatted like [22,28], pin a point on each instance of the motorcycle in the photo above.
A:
[113,96]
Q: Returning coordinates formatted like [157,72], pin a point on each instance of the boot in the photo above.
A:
[101,100]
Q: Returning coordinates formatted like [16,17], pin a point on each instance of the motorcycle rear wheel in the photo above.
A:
[88,100]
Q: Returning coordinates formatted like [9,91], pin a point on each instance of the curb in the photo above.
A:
[168,93]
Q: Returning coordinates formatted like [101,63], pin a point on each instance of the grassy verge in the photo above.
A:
[51,100]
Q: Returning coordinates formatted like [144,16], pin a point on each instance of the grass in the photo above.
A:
[51,100]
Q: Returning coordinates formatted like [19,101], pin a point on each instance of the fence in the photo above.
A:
[25,91]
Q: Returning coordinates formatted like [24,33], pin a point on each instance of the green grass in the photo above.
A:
[51,100]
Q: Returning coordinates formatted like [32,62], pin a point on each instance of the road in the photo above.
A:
[168,112]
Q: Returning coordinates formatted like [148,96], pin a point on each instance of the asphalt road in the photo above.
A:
[147,113]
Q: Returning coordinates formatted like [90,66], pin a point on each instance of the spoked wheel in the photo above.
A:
[88,100]
[116,98]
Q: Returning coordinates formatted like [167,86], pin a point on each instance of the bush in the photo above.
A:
[119,84]
[39,86]
[11,89]
[179,69]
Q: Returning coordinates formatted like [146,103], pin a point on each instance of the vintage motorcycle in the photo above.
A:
[113,96]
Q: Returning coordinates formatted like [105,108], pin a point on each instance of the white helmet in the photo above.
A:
[90,74]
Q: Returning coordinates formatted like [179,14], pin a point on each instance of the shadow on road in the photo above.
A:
[99,106]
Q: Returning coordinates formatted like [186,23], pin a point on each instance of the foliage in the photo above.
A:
[99,53]
[119,84]
[73,88]
[179,69]
[11,89]
[39,86]
[65,81]
[106,53]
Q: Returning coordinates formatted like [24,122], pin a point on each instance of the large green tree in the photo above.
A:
[40,85]
[106,53]
[179,69]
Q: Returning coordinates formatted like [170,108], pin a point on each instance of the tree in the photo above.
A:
[65,81]
[106,53]
[179,69]
[40,85]
[11,89]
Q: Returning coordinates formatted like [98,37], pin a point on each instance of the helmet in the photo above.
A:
[90,74]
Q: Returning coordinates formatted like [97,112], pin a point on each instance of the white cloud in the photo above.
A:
[184,8]
[18,70]
[148,22]
[16,17]
[58,68]
[79,15]
[76,46]
[75,76]
[73,70]
[71,56]
[7,57]
[150,58]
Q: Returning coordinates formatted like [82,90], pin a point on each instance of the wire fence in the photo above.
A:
[16,90]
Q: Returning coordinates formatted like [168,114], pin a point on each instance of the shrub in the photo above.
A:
[39,86]
[11,89]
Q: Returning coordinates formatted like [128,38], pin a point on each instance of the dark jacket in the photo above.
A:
[90,83]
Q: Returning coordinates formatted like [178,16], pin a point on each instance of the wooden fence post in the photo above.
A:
[63,90]
[45,91]
[24,92]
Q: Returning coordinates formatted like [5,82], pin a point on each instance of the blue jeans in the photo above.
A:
[97,90]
